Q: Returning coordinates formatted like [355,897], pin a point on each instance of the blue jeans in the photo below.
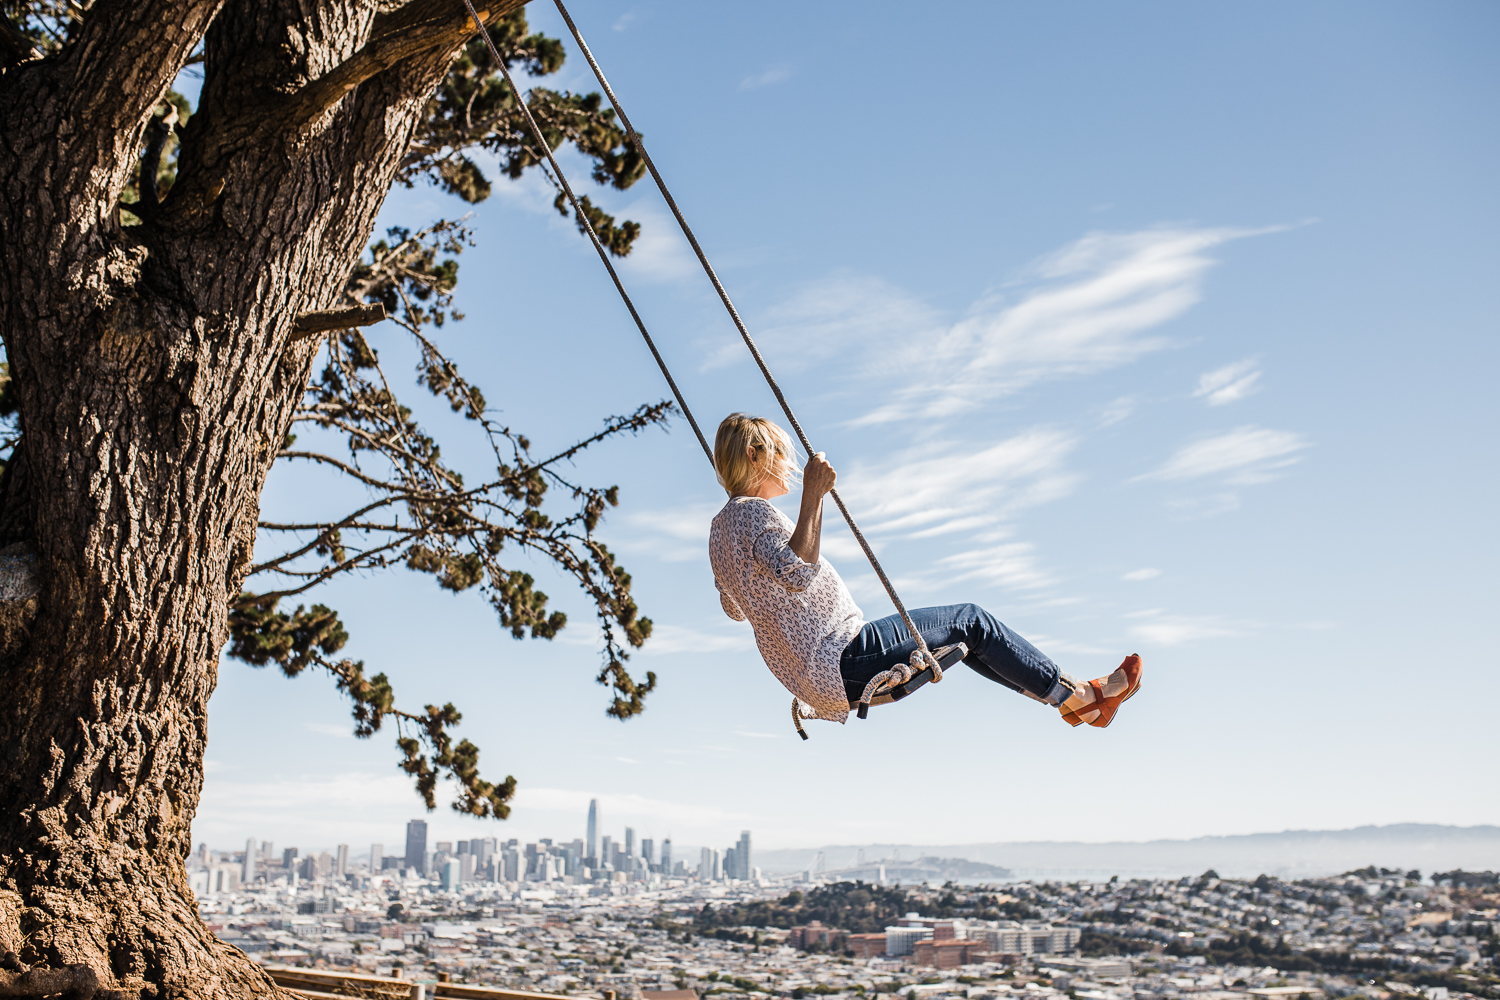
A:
[995,652]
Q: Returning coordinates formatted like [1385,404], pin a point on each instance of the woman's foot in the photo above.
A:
[1097,701]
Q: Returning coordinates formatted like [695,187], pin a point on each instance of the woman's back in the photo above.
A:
[802,613]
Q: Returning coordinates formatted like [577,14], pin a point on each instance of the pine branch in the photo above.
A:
[416,29]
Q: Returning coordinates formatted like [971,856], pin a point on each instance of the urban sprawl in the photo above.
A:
[606,917]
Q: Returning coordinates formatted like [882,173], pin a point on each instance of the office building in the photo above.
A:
[416,845]
[247,869]
[377,858]
[341,862]
[648,853]
[737,858]
[592,839]
[289,859]
[629,845]
[666,856]
[452,874]
[606,852]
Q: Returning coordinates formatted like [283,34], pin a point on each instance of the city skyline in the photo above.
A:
[493,858]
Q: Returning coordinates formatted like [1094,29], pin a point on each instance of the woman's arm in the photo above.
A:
[818,477]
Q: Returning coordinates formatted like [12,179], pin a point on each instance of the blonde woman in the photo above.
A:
[815,640]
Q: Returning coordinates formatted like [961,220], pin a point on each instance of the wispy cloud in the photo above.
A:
[828,318]
[333,729]
[1244,456]
[659,253]
[1229,384]
[675,534]
[1162,629]
[624,21]
[1087,308]
[1008,564]
[1198,508]
[1139,575]
[944,488]
[1119,410]
[677,639]
[775,74]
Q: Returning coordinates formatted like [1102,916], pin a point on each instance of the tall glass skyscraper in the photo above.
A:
[594,831]
[416,845]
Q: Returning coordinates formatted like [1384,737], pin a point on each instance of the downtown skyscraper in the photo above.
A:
[416,845]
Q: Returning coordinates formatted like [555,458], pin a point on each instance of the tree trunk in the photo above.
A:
[157,373]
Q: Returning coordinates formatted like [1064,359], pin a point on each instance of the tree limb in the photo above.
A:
[409,31]
[322,321]
[126,55]
[158,132]
[15,43]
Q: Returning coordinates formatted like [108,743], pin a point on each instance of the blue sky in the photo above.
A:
[1165,328]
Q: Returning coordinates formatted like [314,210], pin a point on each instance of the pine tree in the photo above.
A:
[182,288]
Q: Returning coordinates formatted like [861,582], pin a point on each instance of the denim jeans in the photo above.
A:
[995,651]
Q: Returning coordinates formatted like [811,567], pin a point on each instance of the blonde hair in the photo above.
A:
[742,436]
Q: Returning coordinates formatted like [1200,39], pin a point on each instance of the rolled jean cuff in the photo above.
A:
[1062,689]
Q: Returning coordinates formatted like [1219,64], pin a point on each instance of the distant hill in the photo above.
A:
[1290,854]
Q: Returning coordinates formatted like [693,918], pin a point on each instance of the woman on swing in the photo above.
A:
[813,637]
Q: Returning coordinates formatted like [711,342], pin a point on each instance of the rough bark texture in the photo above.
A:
[156,376]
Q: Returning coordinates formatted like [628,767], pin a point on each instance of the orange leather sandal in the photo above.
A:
[1106,706]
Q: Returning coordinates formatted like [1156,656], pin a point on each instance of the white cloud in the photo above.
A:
[1161,629]
[1197,508]
[1009,564]
[775,74]
[660,253]
[330,729]
[677,639]
[1119,410]
[624,21]
[674,534]
[1244,456]
[1144,573]
[828,319]
[1091,308]
[1230,383]
[943,488]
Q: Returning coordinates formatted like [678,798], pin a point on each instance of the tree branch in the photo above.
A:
[17,46]
[313,323]
[126,55]
[409,31]
[158,132]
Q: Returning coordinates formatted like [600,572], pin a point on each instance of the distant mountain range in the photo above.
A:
[1289,854]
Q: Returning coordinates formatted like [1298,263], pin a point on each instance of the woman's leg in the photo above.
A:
[994,651]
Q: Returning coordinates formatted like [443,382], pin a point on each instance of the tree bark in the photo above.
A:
[156,376]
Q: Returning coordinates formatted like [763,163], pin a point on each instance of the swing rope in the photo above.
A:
[899,674]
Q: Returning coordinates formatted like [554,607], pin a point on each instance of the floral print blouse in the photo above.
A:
[802,614]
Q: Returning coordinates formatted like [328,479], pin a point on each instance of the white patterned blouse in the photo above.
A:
[802,614]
